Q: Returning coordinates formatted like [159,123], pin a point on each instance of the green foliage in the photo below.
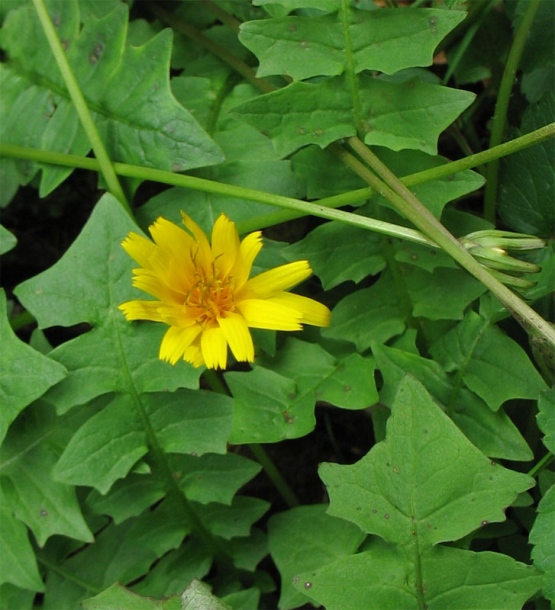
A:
[398,493]
[307,121]
[26,374]
[526,202]
[126,482]
[126,87]
[542,539]
[302,47]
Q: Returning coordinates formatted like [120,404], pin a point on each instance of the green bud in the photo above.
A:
[506,240]
[490,247]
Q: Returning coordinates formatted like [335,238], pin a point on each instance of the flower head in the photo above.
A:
[203,292]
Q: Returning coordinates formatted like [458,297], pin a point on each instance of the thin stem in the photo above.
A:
[105,164]
[217,385]
[275,475]
[69,575]
[21,320]
[350,71]
[173,489]
[461,50]
[210,186]
[534,137]
[409,206]
[180,25]
[135,171]
[541,465]
[502,105]
[223,16]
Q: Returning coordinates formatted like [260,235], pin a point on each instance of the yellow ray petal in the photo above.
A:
[139,249]
[201,253]
[248,251]
[237,334]
[176,341]
[148,281]
[261,313]
[141,310]
[225,245]
[193,355]
[275,280]
[170,237]
[214,348]
[173,258]
[312,311]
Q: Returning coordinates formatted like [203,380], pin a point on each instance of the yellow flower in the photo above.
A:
[204,294]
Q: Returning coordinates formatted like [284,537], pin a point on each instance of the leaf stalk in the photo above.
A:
[502,105]
[104,162]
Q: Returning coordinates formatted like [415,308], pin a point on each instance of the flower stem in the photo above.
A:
[105,164]
[301,208]
[174,491]
[541,465]
[502,105]
[406,203]
[353,197]
[351,75]
[216,385]
[180,25]
[275,475]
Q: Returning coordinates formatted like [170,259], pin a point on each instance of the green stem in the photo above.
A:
[180,25]
[461,50]
[175,491]
[275,475]
[530,139]
[406,203]
[350,71]
[502,105]
[223,16]
[353,197]
[105,164]
[541,465]
[68,575]
[209,186]
[217,385]
[21,320]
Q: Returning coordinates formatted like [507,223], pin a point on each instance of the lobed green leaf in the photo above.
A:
[25,373]
[7,240]
[338,252]
[304,47]
[493,433]
[86,285]
[490,363]
[211,477]
[527,178]
[321,113]
[18,565]
[424,484]
[268,407]
[119,597]
[397,490]
[126,88]
[541,536]
[306,538]
[451,577]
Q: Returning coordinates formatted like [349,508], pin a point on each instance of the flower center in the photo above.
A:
[210,298]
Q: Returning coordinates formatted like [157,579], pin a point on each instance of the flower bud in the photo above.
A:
[490,247]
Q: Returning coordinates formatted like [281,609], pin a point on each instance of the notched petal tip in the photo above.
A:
[141,310]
